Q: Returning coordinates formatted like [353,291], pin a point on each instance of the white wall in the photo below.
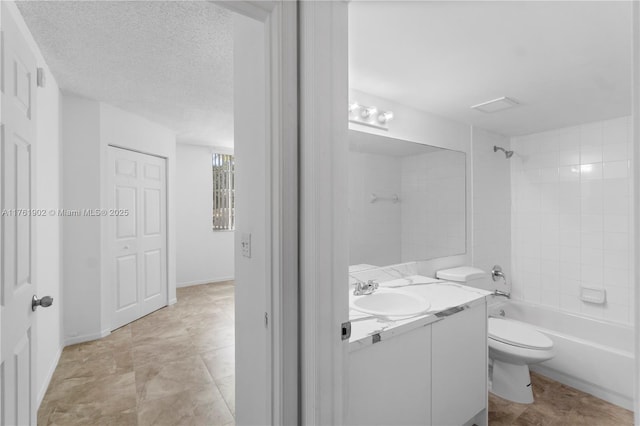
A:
[80,133]
[491,204]
[88,128]
[572,218]
[203,255]
[375,227]
[418,126]
[48,228]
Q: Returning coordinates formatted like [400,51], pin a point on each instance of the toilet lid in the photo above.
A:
[517,334]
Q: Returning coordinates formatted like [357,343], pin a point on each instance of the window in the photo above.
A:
[223,192]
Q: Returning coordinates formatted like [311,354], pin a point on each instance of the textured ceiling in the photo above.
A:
[565,62]
[168,61]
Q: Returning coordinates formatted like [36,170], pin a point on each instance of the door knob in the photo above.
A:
[45,302]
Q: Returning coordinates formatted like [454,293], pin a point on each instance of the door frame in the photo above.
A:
[324,239]
[635,164]
[307,90]
[281,29]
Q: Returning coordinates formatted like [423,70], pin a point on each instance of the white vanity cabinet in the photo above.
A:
[387,383]
[434,374]
[460,366]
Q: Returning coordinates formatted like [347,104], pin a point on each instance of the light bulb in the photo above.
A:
[383,117]
[367,112]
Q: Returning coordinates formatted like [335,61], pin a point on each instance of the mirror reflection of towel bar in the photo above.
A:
[394,198]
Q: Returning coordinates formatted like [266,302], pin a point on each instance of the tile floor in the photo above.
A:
[557,405]
[176,367]
[172,367]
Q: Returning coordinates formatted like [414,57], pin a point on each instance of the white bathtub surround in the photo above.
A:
[572,218]
[591,355]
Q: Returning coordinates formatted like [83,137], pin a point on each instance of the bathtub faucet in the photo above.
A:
[363,288]
[502,293]
[496,273]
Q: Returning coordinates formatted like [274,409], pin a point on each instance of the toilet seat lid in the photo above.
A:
[517,334]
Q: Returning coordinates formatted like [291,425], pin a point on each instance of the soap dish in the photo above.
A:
[594,295]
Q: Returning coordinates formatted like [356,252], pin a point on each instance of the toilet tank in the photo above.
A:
[467,275]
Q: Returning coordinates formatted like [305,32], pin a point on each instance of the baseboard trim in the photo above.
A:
[86,338]
[47,381]
[199,282]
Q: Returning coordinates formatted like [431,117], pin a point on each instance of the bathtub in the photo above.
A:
[591,355]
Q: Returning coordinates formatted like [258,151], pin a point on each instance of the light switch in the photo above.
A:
[245,243]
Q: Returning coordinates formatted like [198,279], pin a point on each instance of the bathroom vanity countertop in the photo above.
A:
[442,295]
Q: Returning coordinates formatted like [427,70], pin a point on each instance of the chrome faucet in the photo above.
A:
[363,288]
[502,293]
[496,273]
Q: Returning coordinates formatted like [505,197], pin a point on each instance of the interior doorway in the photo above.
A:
[93,118]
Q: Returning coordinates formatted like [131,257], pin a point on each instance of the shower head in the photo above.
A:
[507,154]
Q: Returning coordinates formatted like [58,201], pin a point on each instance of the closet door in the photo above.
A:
[137,234]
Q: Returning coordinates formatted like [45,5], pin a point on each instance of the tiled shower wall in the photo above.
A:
[572,218]
[491,205]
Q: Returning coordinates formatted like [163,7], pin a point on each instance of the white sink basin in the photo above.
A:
[390,303]
[442,295]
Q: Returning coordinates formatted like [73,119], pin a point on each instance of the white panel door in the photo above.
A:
[137,234]
[17,134]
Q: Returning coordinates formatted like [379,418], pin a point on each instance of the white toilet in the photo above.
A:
[513,345]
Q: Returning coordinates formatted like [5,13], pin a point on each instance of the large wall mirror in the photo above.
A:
[407,201]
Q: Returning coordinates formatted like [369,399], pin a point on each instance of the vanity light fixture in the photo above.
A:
[369,116]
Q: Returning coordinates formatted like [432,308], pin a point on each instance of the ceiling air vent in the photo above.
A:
[496,105]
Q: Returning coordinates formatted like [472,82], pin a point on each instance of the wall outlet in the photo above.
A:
[245,243]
